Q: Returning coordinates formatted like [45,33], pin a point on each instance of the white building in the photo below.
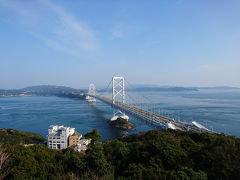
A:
[82,145]
[58,136]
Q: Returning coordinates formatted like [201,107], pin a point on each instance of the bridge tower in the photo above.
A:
[91,93]
[118,95]
[118,89]
[91,89]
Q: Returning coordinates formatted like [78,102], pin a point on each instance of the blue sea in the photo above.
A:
[218,110]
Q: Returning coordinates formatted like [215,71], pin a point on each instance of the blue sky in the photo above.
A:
[162,42]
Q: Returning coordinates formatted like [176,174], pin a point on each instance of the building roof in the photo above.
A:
[57,130]
[77,134]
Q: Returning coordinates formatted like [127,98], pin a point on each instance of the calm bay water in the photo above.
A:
[217,109]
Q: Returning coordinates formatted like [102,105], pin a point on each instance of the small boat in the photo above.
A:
[90,99]
[87,97]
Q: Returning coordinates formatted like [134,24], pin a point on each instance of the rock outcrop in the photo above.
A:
[121,123]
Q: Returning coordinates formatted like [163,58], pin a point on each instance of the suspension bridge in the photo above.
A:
[155,118]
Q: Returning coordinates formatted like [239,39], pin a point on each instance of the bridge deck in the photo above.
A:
[154,118]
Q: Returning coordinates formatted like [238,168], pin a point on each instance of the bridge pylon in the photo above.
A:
[118,89]
[118,94]
[91,92]
[91,89]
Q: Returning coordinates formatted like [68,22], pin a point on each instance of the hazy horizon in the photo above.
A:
[127,86]
[73,43]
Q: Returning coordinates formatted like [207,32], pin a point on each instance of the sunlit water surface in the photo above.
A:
[216,109]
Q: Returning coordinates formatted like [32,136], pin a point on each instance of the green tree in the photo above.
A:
[96,160]
[94,135]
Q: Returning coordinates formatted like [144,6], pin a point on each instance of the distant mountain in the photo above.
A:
[42,90]
[147,87]
[144,88]
[219,87]
[46,87]
[50,89]
[163,89]
[150,88]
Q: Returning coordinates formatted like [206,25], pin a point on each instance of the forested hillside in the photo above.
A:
[12,136]
[156,154]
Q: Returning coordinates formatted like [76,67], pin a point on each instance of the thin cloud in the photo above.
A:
[54,25]
[71,29]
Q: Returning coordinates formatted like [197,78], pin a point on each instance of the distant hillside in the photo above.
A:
[144,88]
[47,87]
[12,136]
[220,87]
[43,90]
[164,89]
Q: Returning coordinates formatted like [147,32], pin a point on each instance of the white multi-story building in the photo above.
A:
[58,136]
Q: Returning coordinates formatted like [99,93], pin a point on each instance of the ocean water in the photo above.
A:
[216,109]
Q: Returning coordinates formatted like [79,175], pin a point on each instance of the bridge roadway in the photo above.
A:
[153,118]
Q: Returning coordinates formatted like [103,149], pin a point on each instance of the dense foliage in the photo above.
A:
[156,154]
[94,135]
[12,136]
